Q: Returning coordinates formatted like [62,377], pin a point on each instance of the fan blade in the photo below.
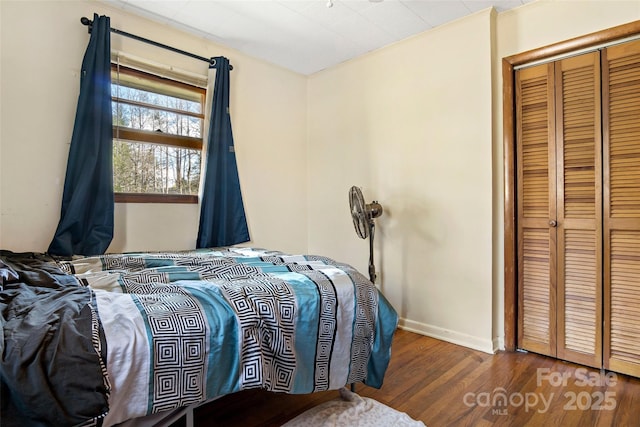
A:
[359,212]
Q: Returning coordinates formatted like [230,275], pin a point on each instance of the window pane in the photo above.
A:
[136,117]
[162,159]
[152,168]
[154,98]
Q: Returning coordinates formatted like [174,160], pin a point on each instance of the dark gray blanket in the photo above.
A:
[50,371]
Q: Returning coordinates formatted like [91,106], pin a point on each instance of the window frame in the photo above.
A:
[155,137]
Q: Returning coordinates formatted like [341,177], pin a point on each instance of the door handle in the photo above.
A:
[553,223]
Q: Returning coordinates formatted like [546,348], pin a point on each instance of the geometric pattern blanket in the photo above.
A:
[181,328]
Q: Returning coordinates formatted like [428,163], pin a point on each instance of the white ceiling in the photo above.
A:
[306,36]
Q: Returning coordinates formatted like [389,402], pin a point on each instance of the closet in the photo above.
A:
[578,208]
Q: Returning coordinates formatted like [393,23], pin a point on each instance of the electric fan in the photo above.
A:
[363,215]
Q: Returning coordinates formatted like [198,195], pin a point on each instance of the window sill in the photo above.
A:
[155,198]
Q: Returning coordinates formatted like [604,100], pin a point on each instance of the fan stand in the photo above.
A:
[363,215]
[372,267]
[374,210]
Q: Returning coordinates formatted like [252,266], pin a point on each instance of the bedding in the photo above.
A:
[106,339]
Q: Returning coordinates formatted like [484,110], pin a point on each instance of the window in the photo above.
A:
[157,137]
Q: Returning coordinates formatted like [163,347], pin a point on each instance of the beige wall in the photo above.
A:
[42,48]
[411,125]
[417,125]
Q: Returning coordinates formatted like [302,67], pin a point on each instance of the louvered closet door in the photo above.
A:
[621,98]
[536,206]
[579,209]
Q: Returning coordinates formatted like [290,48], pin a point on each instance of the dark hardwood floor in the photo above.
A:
[443,384]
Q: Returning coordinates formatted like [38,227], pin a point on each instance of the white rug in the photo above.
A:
[352,410]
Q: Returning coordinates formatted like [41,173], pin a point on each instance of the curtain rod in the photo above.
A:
[211,61]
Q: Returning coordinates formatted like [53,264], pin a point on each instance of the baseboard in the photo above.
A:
[498,343]
[484,345]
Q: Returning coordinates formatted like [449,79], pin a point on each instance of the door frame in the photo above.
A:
[509,149]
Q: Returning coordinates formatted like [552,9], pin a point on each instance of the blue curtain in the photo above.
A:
[222,218]
[86,218]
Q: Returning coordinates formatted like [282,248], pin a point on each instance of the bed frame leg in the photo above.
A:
[189,417]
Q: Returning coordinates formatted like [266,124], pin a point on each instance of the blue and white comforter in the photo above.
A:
[181,328]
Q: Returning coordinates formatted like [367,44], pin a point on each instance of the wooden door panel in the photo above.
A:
[536,205]
[624,355]
[536,299]
[621,121]
[579,320]
[579,209]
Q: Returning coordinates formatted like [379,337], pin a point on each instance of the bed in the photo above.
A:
[108,339]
